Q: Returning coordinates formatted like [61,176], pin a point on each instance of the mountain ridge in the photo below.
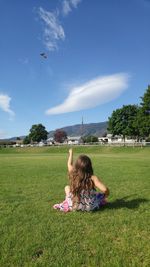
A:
[96,129]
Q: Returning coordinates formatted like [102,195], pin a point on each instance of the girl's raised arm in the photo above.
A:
[70,160]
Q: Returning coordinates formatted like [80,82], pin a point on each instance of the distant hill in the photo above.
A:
[96,129]
[13,139]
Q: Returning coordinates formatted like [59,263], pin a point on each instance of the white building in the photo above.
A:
[110,139]
[50,141]
[41,144]
[73,140]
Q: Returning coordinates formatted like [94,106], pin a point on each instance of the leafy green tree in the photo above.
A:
[90,139]
[37,133]
[143,117]
[122,121]
[26,140]
[60,136]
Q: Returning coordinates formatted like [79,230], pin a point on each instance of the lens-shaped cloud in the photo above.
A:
[93,93]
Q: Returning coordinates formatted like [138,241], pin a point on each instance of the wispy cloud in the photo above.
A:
[68,5]
[53,31]
[95,92]
[5,104]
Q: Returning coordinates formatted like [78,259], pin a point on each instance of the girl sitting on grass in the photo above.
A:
[82,194]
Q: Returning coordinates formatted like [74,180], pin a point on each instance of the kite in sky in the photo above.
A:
[43,55]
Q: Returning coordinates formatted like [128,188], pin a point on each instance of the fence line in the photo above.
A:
[112,144]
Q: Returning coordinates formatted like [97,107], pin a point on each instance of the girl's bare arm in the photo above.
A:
[100,185]
[70,160]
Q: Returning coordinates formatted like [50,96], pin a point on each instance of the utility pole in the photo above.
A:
[82,127]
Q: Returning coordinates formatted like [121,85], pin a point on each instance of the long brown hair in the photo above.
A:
[80,177]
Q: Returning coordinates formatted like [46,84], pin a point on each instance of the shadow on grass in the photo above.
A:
[124,203]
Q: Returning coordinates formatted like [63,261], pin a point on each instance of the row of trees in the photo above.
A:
[132,120]
[38,132]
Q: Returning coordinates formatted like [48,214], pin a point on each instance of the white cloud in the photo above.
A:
[93,93]
[53,31]
[67,6]
[5,104]
[75,2]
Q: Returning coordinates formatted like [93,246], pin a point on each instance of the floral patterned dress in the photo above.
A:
[89,201]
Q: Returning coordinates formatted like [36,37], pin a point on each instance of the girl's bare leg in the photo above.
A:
[67,190]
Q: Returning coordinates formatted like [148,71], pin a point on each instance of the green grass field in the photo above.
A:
[33,234]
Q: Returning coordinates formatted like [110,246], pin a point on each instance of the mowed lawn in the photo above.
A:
[32,233]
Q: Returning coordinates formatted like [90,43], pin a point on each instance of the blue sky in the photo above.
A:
[98,59]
